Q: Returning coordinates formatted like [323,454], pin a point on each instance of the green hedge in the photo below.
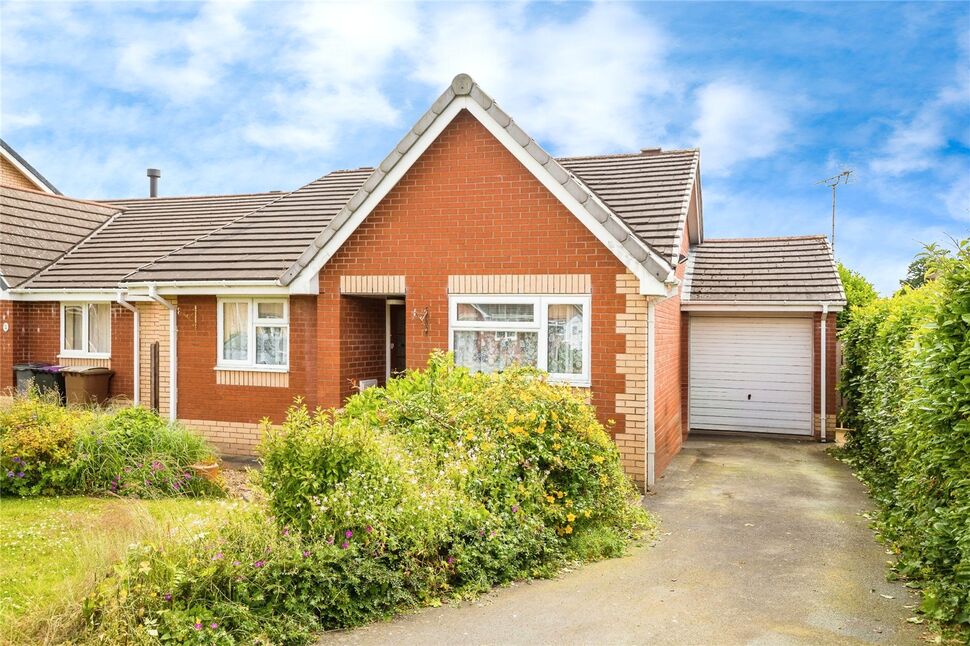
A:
[907,385]
[437,486]
[47,449]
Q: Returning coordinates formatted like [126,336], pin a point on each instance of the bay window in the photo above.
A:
[491,333]
[86,330]
[253,334]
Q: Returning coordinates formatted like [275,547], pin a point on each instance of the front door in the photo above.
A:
[396,338]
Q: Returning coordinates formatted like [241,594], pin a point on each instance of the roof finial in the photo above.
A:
[462,84]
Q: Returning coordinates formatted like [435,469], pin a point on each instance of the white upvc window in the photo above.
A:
[253,334]
[552,333]
[86,330]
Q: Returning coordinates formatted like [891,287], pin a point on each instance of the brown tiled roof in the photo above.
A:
[763,270]
[38,228]
[648,190]
[263,243]
[145,229]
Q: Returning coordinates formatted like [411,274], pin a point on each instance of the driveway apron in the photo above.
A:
[761,541]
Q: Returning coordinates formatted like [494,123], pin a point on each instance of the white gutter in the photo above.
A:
[172,351]
[824,322]
[135,341]
[651,385]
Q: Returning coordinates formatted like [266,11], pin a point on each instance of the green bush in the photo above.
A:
[494,476]
[440,485]
[859,292]
[48,449]
[907,384]
[37,445]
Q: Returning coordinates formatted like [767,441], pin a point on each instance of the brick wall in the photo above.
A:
[202,397]
[468,206]
[11,176]
[364,342]
[668,367]
[154,326]
[8,342]
[34,335]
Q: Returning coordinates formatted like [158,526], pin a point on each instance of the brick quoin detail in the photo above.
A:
[468,207]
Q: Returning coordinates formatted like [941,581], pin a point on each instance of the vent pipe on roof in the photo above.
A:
[650,151]
[153,175]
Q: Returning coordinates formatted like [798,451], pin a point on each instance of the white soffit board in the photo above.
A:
[751,374]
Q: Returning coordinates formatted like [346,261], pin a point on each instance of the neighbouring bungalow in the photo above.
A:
[220,310]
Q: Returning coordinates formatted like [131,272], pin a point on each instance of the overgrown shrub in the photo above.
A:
[441,484]
[135,452]
[494,475]
[37,445]
[907,383]
[48,449]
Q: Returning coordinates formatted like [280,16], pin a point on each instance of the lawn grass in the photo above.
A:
[53,550]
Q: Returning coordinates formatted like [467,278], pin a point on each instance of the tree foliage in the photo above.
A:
[859,292]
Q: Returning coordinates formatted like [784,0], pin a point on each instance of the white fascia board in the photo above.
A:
[215,288]
[755,306]
[308,276]
[310,273]
[64,295]
[649,285]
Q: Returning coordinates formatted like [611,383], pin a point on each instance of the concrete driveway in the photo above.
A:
[761,542]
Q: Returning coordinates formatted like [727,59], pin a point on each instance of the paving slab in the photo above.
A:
[762,541]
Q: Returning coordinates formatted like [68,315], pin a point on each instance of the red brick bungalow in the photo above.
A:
[467,237]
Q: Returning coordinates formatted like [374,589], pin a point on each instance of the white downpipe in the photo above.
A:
[135,341]
[172,351]
[822,353]
[651,385]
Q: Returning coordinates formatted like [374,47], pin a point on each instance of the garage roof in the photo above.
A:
[782,271]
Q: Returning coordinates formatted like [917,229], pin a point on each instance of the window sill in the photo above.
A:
[277,370]
[571,383]
[101,356]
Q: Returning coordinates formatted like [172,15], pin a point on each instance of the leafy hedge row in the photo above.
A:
[442,484]
[46,449]
[907,385]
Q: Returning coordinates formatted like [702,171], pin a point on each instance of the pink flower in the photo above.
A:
[368,529]
[348,534]
[258,564]
[197,626]
[330,541]
[306,553]
[213,625]
[217,557]
[344,545]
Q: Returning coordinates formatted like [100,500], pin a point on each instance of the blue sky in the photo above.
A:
[240,97]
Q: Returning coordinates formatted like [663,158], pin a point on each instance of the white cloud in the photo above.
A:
[332,71]
[736,123]
[577,83]
[181,60]
[18,120]
[915,144]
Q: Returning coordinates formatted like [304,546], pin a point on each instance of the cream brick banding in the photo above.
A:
[85,362]
[520,284]
[265,378]
[372,285]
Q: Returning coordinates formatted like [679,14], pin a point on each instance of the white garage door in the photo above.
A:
[751,374]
